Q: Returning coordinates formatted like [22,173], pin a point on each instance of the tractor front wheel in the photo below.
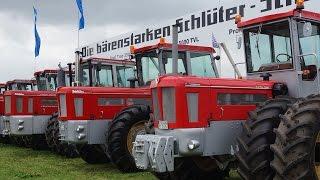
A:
[93,154]
[49,133]
[254,155]
[17,140]
[121,134]
[297,146]
[5,139]
[54,142]
[38,142]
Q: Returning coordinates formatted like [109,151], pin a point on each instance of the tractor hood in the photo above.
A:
[193,81]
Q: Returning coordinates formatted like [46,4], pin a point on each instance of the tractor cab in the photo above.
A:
[48,80]
[284,47]
[19,84]
[99,72]
[156,60]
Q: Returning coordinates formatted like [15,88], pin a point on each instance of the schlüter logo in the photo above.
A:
[206,18]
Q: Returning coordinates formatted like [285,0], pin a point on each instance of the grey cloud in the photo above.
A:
[99,12]
[58,27]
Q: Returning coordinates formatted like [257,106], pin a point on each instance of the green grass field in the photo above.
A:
[18,163]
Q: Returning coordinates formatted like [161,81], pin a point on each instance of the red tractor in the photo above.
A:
[33,114]
[95,72]
[197,122]
[29,111]
[17,84]
[109,119]
[2,89]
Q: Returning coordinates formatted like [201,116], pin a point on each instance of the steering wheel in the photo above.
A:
[283,54]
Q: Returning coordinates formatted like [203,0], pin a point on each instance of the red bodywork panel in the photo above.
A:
[208,90]
[92,95]
[168,46]
[44,102]
[274,17]
[1,105]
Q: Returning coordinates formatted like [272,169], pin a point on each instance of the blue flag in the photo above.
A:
[81,21]
[36,34]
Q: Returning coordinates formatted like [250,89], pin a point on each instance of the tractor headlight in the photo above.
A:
[279,89]
[193,144]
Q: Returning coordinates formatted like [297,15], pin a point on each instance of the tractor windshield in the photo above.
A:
[85,74]
[41,82]
[149,65]
[201,65]
[52,82]
[123,74]
[21,86]
[100,75]
[268,47]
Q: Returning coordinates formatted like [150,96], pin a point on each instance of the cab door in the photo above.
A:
[307,54]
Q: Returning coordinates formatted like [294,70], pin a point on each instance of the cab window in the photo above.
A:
[268,47]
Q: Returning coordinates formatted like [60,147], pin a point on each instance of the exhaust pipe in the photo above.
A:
[175,52]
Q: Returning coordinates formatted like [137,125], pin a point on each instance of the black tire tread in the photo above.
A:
[295,141]
[117,134]
[254,155]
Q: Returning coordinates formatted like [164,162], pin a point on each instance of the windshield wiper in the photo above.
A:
[257,41]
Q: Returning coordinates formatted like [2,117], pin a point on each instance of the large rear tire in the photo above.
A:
[188,169]
[122,133]
[93,154]
[254,155]
[296,148]
[53,139]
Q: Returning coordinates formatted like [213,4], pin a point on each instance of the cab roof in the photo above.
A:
[109,61]
[168,46]
[273,17]
[20,81]
[47,71]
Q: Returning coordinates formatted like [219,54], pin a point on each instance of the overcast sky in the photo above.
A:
[58,22]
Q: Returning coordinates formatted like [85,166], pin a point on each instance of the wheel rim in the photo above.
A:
[136,129]
[317,156]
